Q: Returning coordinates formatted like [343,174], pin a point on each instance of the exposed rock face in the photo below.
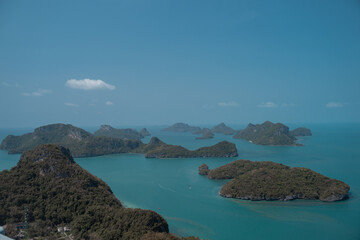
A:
[274,181]
[267,133]
[127,133]
[223,129]
[181,127]
[57,191]
[301,131]
[204,169]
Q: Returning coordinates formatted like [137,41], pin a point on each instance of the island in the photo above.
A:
[128,133]
[181,127]
[144,132]
[223,129]
[158,149]
[273,181]
[268,133]
[206,134]
[80,142]
[301,131]
[84,144]
[61,199]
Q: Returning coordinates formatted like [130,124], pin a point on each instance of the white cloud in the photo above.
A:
[268,105]
[228,104]
[71,104]
[6,84]
[334,105]
[109,103]
[37,93]
[88,84]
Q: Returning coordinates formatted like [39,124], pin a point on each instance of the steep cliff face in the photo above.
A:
[57,191]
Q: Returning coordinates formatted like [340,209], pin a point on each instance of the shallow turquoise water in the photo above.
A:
[191,204]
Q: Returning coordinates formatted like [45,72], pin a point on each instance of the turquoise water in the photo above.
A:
[191,204]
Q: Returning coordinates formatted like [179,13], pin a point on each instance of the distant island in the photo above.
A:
[274,181]
[223,129]
[181,127]
[84,144]
[206,134]
[158,149]
[80,142]
[54,192]
[301,131]
[125,134]
[269,133]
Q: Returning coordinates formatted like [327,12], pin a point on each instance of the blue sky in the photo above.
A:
[161,62]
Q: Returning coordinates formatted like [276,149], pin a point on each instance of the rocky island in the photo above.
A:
[223,129]
[55,191]
[206,134]
[125,134]
[158,149]
[181,127]
[274,181]
[301,131]
[80,142]
[269,133]
[84,144]
[144,132]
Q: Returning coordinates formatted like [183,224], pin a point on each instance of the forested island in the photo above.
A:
[53,190]
[269,133]
[84,144]
[158,149]
[274,181]
[125,134]
[205,132]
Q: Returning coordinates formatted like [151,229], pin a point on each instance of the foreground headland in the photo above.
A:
[53,191]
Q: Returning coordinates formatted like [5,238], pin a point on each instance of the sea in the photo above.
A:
[191,204]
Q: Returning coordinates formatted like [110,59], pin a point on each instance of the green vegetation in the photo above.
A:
[274,181]
[128,133]
[267,133]
[158,149]
[223,129]
[58,192]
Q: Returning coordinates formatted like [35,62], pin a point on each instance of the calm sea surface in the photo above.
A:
[191,204]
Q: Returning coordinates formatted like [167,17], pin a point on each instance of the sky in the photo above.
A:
[142,63]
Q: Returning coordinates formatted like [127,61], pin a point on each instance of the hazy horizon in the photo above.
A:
[141,63]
